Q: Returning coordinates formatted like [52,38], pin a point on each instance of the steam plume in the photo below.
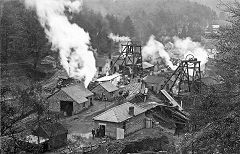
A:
[187,46]
[117,38]
[155,49]
[69,39]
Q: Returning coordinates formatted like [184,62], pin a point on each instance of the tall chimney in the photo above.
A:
[131,110]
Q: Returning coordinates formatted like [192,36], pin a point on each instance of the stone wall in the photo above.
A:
[134,124]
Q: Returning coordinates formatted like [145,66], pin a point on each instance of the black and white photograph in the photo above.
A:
[120,76]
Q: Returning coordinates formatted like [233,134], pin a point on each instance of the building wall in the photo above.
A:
[157,87]
[134,124]
[110,128]
[79,107]
[99,90]
[54,105]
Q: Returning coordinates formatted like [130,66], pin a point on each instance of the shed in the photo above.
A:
[105,90]
[156,83]
[56,133]
[71,100]
[126,117]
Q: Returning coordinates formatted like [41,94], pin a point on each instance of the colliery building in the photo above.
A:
[105,91]
[156,83]
[121,120]
[71,100]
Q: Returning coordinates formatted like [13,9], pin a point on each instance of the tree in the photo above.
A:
[227,58]
[14,109]
[128,27]
[217,115]
[184,32]
[114,24]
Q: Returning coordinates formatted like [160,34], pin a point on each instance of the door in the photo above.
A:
[102,130]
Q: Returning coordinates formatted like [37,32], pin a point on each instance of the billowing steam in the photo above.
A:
[154,50]
[187,46]
[69,39]
[117,38]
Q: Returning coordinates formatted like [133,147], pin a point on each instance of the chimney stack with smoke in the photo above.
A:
[72,42]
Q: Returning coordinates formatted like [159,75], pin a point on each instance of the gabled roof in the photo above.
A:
[109,86]
[77,93]
[119,113]
[154,79]
[51,129]
[77,89]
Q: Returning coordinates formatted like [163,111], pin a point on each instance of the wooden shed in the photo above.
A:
[156,83]
[105,90]
[71,100]
[56,133]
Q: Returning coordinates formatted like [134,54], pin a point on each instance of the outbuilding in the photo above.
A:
[55,133]
[71,100]
[121,120]
[156,83]
[105,90]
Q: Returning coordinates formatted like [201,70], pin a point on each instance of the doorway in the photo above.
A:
[102,130]
[66,107]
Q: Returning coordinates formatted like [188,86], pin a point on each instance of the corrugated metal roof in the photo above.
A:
[109,86]
[119,113]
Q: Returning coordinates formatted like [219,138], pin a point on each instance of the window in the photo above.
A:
[84,105]
[100,69]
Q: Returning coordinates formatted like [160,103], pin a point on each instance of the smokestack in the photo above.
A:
[131,111]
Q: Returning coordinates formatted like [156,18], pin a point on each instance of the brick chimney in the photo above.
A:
[131,111]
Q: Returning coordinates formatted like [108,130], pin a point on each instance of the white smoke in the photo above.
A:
[187,46]
[181,48]
[155,50]
[69,39]
[117,38]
